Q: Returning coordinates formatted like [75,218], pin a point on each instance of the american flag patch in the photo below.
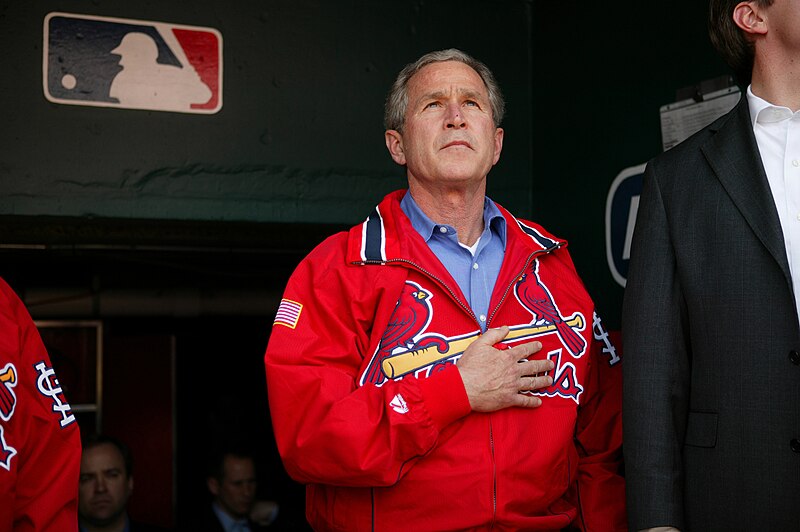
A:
[288,313]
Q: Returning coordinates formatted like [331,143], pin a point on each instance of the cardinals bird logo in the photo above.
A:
[536,298]
[410,317]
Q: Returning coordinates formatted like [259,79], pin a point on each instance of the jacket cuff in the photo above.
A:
[445,396]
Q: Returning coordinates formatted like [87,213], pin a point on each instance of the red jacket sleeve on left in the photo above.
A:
[40,447]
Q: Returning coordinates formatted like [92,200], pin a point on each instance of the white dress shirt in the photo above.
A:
[777,132]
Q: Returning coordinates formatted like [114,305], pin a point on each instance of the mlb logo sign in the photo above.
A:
[622,206]
[131,64]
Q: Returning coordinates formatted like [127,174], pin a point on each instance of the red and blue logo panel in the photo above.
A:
[131,64]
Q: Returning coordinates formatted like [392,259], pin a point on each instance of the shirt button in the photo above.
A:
[795,163]
[798,217]
[794,356]
[442,229]
[475,266]
[795,445]
[483,317]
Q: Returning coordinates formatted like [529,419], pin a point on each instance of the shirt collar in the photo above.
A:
[763,112]
[226,520]
[127,527]
[492,218]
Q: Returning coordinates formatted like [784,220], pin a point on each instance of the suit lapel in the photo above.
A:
[734,157]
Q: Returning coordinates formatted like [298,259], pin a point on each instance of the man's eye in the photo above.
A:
[432,105]
[471,103]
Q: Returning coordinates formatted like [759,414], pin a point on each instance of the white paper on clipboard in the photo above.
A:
[682,119]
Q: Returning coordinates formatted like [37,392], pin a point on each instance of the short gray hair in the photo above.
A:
[394,114]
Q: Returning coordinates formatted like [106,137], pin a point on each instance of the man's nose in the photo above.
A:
[455,120]
[100,486]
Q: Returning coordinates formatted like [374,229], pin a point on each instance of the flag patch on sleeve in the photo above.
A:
[288,313]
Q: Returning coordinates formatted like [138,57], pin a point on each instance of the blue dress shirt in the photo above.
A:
[229,523]
[476,275]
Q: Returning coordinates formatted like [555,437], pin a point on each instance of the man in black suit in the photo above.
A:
[710,318]
[232,482]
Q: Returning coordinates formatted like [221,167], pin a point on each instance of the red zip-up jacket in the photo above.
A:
[370,412]
[40,446]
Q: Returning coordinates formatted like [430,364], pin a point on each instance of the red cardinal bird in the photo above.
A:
[536,298]
[410,316]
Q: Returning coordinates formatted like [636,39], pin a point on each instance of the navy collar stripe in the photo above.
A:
[373,238]
[542,240]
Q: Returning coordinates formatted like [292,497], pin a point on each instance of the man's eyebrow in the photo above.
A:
[471,94]
[435,95]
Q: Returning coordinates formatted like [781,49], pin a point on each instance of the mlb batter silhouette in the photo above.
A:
[145,83]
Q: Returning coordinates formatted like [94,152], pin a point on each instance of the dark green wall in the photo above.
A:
[299,137]
[601,72]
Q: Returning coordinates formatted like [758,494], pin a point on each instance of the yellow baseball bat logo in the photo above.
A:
[409,361]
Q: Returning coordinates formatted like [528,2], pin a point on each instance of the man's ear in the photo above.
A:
[498,144]
[394,143]
[749,17]
[213,485]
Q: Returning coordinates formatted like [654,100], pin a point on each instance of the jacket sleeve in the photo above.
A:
[330,430]
[40,437]
[598,433]
[656,368]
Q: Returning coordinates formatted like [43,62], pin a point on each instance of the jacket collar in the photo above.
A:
[733,155]
[387,235]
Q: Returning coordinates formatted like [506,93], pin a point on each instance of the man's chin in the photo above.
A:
[459,179]
[102,517]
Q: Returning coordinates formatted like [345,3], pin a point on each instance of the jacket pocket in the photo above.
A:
[701,429]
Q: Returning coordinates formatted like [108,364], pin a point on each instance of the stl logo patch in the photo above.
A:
[131,64]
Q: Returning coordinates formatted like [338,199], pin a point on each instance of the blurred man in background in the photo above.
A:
[106,484]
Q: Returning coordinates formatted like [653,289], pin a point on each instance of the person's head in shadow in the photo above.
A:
[105,485]
[233,484]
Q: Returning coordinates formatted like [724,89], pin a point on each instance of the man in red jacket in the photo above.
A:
[40,448]
[441,366]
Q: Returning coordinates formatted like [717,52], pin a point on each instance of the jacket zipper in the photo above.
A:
[488,322]
[494,474]
[514,281]
[475,318]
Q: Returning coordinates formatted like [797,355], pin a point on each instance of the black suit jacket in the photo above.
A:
[711,340]
[136,526]
[205,520]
